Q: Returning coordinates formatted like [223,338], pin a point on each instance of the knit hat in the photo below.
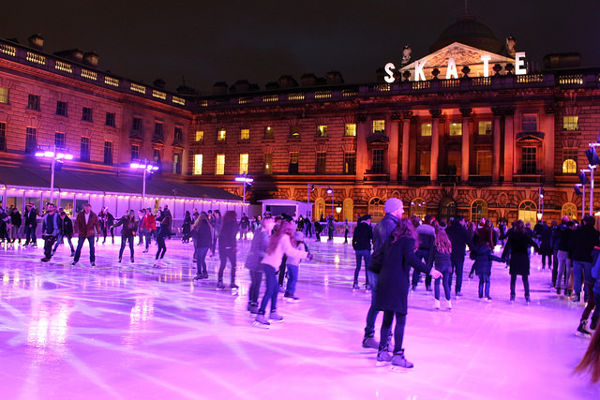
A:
[298,236]
[392,204]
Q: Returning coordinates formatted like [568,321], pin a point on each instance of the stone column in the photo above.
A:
[496,150]
[362,156]
[548,127]
[466,144]
[509,144]
[406,145]
[435,145]
[393,148]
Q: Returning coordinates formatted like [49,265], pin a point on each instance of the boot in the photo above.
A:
[275,317]
[436,304]
[369,342]
[400,361]
[220,285]
[261,321]
[449,304]
[576,298]
[582,329]
[355,286]
[383,355]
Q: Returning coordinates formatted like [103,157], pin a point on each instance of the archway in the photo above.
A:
[569,210]
[528,212]
[418,208]
[319,208]
[376,209]
[447,210]
[479,209]
[348,210]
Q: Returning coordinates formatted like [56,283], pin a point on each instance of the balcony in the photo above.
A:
[419,180]
[376,176]
[377,137]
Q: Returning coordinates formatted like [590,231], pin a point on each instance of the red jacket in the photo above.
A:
[149,223]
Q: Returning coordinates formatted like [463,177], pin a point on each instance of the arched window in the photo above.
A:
[479,209]
[569,210]
[376,209]
[447,209]
[418,208]
[569,166]
[319,209]
[528,212]
[348,210]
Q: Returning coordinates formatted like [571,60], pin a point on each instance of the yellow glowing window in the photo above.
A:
[243,163]
[426,129]
[569,166]
[245,134]
[322,130]
[379,126]
[3,95]
[485,128]
[455,129]
[268,163]
[571,123]
[198,159]
[221,135]
[199,136]
[350,130]
[269,132]
[220,170]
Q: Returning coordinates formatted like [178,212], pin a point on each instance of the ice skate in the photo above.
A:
[383,356]
[582,331]
[355,286]
[253,308]
[261,322]
[400,361]
[220,285]
[369,342]
[275,317]
[436,304]
[449,305]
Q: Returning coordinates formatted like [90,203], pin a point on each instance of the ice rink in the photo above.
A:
[131,331]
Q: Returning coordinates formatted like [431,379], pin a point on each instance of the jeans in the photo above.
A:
[30,234]
[457,267]
[360,255]
[372,313]
[544,257]
[591,303]
[513,282]
[201,260]
[14,233]
[60,240]
[282,270]
[142,234]
[225,254]
[484,281]
[581,269]
[554,267]
[254,290]
[271,291]
[421,254]
[48,242]
[292,279]
[80,243]
[563,268]
[445,280]
[386,328]
[162,247]
[124,240]
[148,235]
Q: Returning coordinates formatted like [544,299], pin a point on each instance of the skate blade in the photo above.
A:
[259,325]
[382,364]
[583,335]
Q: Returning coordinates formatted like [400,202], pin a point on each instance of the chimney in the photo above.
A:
[308,80]
[36,41]
[91,58]
[240,86]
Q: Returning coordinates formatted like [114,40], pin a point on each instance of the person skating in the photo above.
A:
[164,231]
[217,223]
[129,227]
[439,257]
[459,238]
[483,257]
[563,240]
[15,222]
[292,264]
[186,227]
[50,230]
[149,227]
[86,227]
[361,243]
[518,244]
[141,230]
[66,231]
[280,243]
[202,233]
[258,249]
[425,238]
[227,247]
[330,228]
[398,256]
[583,241]
[30,225]
[244,227]
[544,236]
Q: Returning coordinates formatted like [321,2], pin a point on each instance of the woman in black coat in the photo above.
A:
[202,234]
[518,244]
[393,285]
[227,247]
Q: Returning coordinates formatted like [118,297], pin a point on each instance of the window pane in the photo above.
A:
[108,158]
[220,170]
[321,162]
[350,130]
[198,159]
[529,160]
[269,134]
[485,127]
[294,159]
[243,163]
[199,136]
[350,163]
[571,123]
[322,130]
[245,134]
[221,133]
[424,162]
[455,129]
[378,161]
[268,163]
[3,95]
[484,162]
[454,163]
[529,122]
[426,129]
[379,126]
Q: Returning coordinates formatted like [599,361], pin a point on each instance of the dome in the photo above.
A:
[469,31]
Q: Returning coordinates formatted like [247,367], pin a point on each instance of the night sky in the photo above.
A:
[209,41]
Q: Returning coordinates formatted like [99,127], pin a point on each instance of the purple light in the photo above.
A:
[245,179]
[56,156]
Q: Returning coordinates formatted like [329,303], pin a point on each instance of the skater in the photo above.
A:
[361,243]
[163,232]
[141,230]
[346,231]
[149,227]
[330,228]
[459,238]
[398,255]
[483,257]
[129,227]
[439,257]
[544,236]
[425,239]
[280,243]
[257,251]
[308,227]
[15,225]
[292,264]
[186,227]
[86,226]
[202,233]
[582,244]
[50,230]
[217,223]
[318,230]
[66,231]
[227,247]
[244,226]
[30,225]
[563,239]
[518,244]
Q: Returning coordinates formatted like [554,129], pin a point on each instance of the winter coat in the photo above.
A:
[518,245]
[66,227]
[483,257]
[187,225]
[362,236]
[55,225]
[460,238]
[394,283]
[165,223]
[258,249]
[202,236]
[227,236]
[86,230]
[544,235]
[15,218]
[31,217]
[583,241]
[425,236]
[149,223]
[383,230]
[441,261]
[129,226]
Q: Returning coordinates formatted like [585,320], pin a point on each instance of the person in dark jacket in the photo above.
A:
[30,215]
[257,251]
[553,244]
[439,257]
[361,243]
[582,243]
[66,231]
[392,289]
[519,242]
[129,228]
[202,233]
[563,240]
[394,208]
[50,230]
[483,256]
[164,231]
[544,236]
[15,222]
[460,238]
[227,247]
[425,239]
[186,227]
[86,226]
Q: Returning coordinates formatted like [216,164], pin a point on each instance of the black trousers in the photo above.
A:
[513,282]
[48,243]
[254,291]
[124,240]
[227,254]
[386,328]
[162,247]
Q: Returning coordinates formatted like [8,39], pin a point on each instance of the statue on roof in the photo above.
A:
[406,55]
[511,46]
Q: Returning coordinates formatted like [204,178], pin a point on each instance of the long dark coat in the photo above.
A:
[518,245]
[394,282]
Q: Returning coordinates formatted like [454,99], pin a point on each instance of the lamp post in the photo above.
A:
[146,167]
[332,193]
[592,168]
[55,157]
[245,180]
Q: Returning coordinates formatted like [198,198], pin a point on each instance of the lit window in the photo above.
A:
[485,128]
[269,133]
[349,163]
[569,166]
[199,136]
[198,158]
[243,163]
[455,129]
[322,130]
[350,130]
[3,95]
[529,122]
[571,123]
[221,133]
[479,209]
[245,134]
[569,210]
[268,163]
[426,129]
[220,170]
[379,126]
[295,131]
